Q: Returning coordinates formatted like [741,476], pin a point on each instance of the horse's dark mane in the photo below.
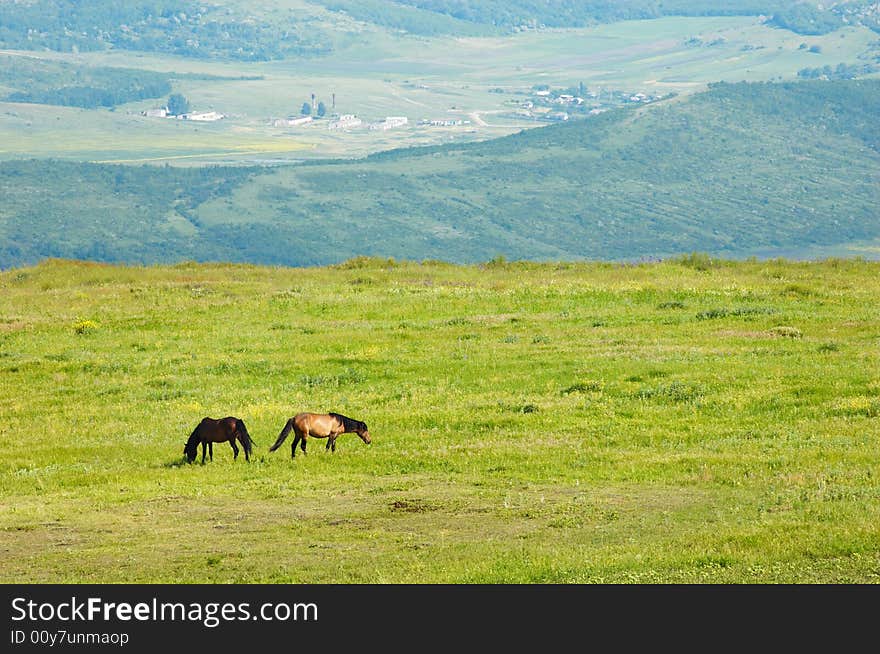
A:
[347,423]
[193,437]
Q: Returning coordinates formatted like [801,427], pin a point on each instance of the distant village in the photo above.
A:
[544,103]
[541,103]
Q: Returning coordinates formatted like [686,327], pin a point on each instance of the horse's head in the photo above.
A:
[190,450]
[192,445]
[363,432]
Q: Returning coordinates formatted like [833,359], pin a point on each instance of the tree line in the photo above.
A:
[580,13]
[44,81]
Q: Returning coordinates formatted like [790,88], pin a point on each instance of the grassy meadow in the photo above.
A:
[692,420]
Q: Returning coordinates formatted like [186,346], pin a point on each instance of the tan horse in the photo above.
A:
[320,425]
[211,430]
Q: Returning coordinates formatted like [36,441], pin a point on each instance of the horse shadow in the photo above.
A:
[174,463]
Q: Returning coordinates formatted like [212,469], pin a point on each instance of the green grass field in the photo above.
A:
[686,421]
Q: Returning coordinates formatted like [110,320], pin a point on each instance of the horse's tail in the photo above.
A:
[246,439]
[282,435]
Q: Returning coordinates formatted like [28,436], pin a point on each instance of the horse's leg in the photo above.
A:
[332,442]
[234,448]
[329,440]
[302,443]
[204,449]
[211,450]
[296,440]
[244,447]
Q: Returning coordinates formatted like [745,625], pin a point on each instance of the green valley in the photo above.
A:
[741,170]
[478,83]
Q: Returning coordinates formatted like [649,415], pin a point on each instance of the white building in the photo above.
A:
[202,116]
[446,122]
[292,121]
[156,113]
[396,121]
[390,122]
[344,122]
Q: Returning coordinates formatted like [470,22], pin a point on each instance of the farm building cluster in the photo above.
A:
[315,112]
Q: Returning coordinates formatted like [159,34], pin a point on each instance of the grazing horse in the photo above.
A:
[320,425]
[212,431]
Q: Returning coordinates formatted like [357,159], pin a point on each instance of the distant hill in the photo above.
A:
[230,29]
[742,169]
[803,17]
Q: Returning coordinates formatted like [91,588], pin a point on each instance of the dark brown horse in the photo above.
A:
[211,430]
[320,425]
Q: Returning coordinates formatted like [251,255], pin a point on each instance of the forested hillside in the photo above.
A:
[182,27]
[795,15]
[55,82]
[106,213]
[47,81]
